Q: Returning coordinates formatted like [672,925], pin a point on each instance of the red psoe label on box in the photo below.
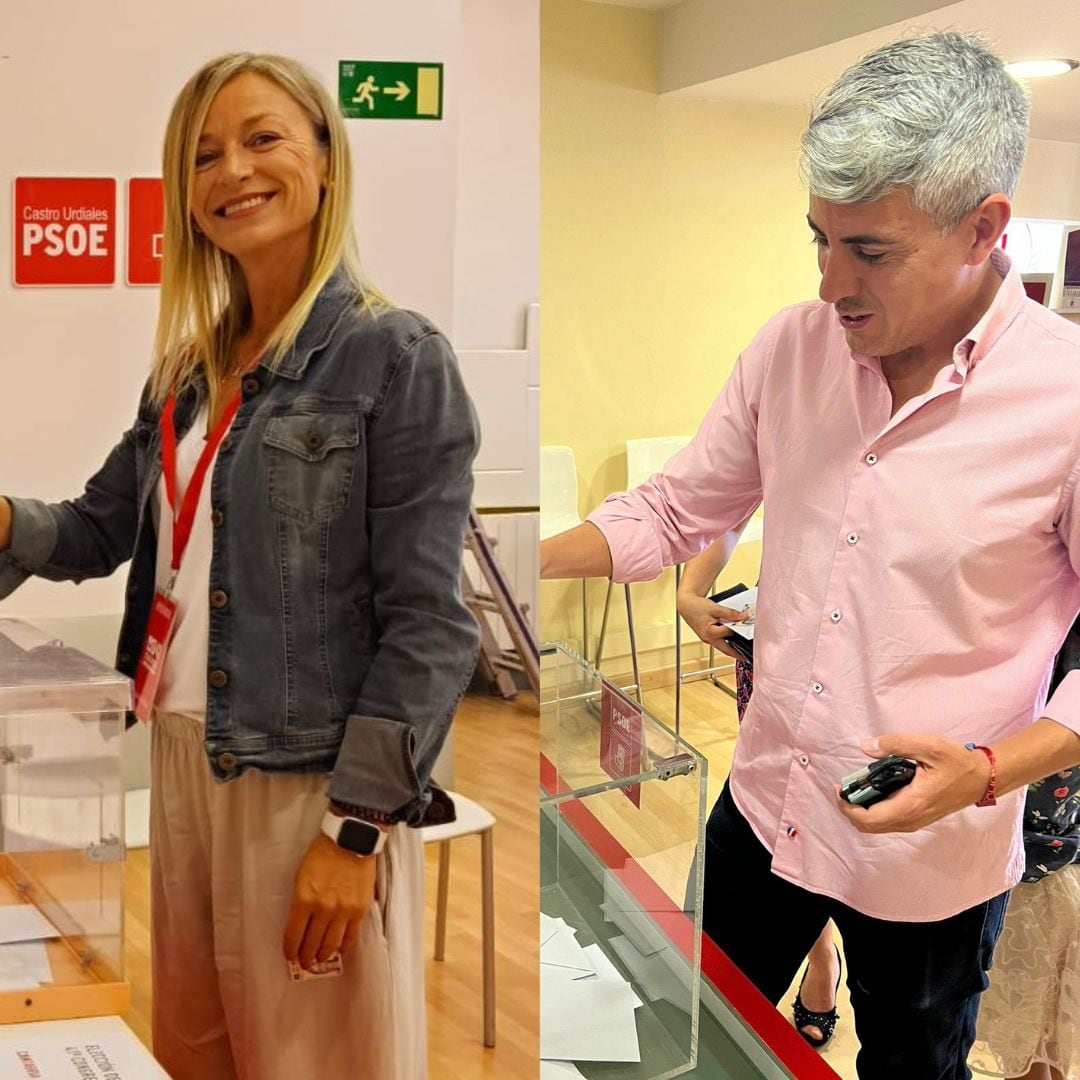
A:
[65,231]
[146,231]
[621,737]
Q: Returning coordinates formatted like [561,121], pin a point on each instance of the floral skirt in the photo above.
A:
[1031,1012]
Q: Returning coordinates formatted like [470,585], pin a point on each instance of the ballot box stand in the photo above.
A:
[62,715]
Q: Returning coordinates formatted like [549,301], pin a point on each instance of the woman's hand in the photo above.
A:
[703,617]
[333,893]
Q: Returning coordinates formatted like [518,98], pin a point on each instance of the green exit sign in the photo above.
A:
[390,90]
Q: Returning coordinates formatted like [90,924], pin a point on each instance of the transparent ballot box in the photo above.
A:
[622,803]
[61,829]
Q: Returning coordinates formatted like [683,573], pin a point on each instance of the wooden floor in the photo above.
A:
[495,755]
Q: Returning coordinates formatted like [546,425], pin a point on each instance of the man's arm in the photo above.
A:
[581,552]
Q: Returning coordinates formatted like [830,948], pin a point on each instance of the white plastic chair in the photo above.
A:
[472,819]
[559,511]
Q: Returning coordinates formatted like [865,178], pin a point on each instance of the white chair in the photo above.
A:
[644,457]
[471,819]
[559,511]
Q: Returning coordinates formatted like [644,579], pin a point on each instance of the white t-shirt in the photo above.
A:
[183,679]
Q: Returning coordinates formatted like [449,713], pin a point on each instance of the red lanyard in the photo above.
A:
[184,517]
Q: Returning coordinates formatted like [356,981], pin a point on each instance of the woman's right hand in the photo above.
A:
[704,618]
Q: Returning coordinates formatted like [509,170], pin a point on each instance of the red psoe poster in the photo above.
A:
[145,230]
[65,230]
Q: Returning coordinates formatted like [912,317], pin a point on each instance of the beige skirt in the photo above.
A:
[223,861]
[1031,1012]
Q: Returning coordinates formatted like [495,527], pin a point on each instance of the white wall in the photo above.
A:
[1049,184]
[94,83]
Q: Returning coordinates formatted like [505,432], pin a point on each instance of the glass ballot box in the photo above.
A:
[61,830]
[622,803]
[630,988]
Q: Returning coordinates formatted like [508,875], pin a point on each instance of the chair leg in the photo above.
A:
[585,618]
[603,628]
[487,873]
[633,644]
[440,900]
[678,653]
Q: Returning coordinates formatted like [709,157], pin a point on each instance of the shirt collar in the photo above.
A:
[338,294]
[1003,309]
[974,346]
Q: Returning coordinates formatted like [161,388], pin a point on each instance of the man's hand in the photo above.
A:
[333,892]
[949,777]
[703,617]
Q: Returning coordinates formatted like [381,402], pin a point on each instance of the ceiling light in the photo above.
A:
[1037,69]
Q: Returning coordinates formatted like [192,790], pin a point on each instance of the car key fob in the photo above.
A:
[877,780]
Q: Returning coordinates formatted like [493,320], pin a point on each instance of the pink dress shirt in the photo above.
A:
[918,574]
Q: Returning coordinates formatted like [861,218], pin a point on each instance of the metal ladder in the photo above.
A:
[495,597]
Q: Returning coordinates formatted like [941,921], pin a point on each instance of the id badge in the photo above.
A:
[152,658]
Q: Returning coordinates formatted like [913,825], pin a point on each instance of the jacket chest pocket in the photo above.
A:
[310,460]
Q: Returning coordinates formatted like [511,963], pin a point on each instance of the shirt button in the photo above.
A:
[227,761]
[835,615]
[804,760]
[816,687]
[218,678]
[219,598]
[217,519]
[250,386]
[852,538]
[871,459]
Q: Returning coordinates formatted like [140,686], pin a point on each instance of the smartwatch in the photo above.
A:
[352,834]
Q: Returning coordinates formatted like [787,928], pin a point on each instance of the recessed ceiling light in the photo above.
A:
[1037,69]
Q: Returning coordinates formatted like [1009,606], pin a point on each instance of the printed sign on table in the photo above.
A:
[145,230]
[621,738]
[65,231]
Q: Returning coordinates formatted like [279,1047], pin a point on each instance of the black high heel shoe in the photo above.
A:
[825,1022]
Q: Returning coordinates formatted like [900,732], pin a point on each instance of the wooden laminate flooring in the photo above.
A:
[495,755]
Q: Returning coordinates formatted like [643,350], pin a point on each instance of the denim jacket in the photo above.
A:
[338,638]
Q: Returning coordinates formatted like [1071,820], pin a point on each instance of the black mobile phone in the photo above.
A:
[877,780]
[736,642]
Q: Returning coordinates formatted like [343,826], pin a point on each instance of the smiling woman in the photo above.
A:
[293,495]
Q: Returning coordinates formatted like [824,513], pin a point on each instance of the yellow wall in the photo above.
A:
[671,229]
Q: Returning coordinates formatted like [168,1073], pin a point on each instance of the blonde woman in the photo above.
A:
[293,496]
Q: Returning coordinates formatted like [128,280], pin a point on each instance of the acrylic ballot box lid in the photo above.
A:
[62,714]
[40,674]
[622,813]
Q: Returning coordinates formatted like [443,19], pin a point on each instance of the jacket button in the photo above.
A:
[250,386]
[226,444]
[313,441]
[219,598]
[218,678]
[217,518]
[227,761]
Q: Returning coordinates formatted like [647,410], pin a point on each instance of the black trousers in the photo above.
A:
[914,986]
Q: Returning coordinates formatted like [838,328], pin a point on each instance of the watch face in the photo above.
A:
[358,836]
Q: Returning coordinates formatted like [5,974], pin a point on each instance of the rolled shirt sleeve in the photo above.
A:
[708,488]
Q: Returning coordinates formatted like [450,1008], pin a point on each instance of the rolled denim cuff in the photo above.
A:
[33,539]
[375,769]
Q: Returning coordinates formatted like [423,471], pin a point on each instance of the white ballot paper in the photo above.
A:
[558,1070]
[23,922]
[586,1019]
[24,964]
[740,602]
